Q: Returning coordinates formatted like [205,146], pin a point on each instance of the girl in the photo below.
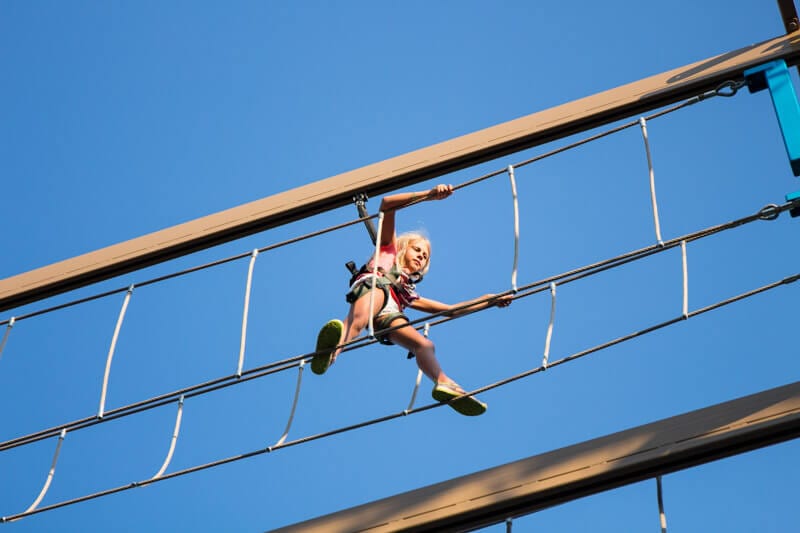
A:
[401,261]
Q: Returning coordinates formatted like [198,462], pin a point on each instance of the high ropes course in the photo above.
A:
[756,67]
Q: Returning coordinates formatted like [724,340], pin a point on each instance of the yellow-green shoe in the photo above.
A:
[327,341]
[466,405]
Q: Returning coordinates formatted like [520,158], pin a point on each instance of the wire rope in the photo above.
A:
[726,89]
[386,418]
[769,212]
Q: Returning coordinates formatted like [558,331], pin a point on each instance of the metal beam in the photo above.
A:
[542,481]
[789,15]
[424,164]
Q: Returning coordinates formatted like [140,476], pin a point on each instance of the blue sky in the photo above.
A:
[123,118]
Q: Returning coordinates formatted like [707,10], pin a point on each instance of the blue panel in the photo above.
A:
[775,76]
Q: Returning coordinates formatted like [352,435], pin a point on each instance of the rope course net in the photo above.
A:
[243,375]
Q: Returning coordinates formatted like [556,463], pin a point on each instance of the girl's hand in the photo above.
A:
[503,301]
[440,192]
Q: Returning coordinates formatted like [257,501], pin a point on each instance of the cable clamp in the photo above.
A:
[769,212]
[729,88]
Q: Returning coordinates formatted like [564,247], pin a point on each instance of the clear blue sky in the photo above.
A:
[123,118]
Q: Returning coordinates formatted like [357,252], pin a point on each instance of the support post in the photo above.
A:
[775,77]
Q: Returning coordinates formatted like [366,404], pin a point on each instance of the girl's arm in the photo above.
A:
[390,205]
[427,305]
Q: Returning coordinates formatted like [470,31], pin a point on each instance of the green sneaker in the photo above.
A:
[327,341]
[466,405]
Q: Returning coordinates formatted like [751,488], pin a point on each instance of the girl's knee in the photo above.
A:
[424,344]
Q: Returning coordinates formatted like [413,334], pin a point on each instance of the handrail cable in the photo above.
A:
[769,212]
[386,418]
[719,91]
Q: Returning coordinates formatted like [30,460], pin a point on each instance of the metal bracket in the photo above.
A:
[775,77]
[794,197]
[361,204]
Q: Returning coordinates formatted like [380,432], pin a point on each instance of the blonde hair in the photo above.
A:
[402,241]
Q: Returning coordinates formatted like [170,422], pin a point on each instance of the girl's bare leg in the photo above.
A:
[358,318]
[422,347]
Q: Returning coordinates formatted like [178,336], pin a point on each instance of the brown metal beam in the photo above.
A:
[545,480]
[789,15]
[394,173]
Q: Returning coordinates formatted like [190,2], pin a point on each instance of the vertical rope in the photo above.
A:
[111,349]
[174,439]
[50,474]
[661,516]
[516,228]
[6,334]
[246,311]
[643,124]
[294,403]
[375,276]
[509,523]
[685,281]
[425,331]
[550,326]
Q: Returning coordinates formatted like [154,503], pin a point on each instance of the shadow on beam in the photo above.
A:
[545,480]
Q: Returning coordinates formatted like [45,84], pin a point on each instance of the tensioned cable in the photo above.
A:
[731,86]
[770,212]
[386,418]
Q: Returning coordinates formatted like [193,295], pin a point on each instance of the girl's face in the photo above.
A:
[416,256]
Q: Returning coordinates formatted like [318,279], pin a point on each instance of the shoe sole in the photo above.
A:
[328,339]
[466,405]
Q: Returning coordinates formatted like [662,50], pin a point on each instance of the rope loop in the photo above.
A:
[729,88]
[769,212]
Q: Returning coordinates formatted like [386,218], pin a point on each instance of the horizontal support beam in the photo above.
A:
[401,171]
[545,480]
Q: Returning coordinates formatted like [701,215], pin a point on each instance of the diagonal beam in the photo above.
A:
[404,170]
[542,481]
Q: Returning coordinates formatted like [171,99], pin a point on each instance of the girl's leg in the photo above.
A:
[422,347]
[358,317]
